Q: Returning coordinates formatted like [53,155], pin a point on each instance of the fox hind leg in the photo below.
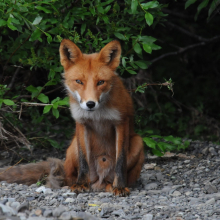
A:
[135,159]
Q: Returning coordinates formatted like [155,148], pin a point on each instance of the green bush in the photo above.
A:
[29,44]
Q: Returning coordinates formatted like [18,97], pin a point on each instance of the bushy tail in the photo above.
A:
[51,170]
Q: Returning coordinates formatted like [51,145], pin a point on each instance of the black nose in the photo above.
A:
[90,104]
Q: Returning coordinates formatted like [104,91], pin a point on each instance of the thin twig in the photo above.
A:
[38,104]
[46,93]
[26,142]
[14,77]
[182,50]
[184,31]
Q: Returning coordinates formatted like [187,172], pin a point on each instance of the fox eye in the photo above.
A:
[79,81]
[100,82]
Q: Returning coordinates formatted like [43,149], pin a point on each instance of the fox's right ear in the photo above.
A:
[69,53]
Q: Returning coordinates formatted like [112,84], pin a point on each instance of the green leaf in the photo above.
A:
[43,98]
[35,35]
[1,100]
[142,64]
[156,136]
[14,20]
[100,9]
[173,139]
[43,9]
[49,38]
[186,144]
[55,100]
[52,73]
[137,48]
[37,20]
[107,9]
[200,7]
[152,4]
[119,36]
[213,6]
[32,89]
[134,4]
[55,105]
[157,153]
[12,27]
[166,146]
[51,82]
[55,112]
[131,71]
[2,22]
[47,109]
[8,102]
[189,2]
[147,39]
[105,19]
[161,146]
[149,18]
[150,142]
[65,101]
[147,48]
[54,143]
[83,28]
[123,61]
[155,47]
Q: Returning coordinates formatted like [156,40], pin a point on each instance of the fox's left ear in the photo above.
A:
[110,54]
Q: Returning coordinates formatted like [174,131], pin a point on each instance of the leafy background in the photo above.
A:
[163,42]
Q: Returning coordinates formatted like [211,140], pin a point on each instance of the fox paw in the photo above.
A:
[78,188]
[121,191]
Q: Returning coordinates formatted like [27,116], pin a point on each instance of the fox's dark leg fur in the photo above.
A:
[28,174]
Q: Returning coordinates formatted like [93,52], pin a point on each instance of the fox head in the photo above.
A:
[89,77]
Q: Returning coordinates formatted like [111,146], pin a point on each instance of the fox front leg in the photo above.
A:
[122,143]
[82,183]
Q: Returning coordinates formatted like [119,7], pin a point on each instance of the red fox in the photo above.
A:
[105,153]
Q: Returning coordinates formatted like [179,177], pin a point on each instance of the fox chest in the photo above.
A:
[101,136]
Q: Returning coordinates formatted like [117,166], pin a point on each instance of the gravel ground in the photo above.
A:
[178,187]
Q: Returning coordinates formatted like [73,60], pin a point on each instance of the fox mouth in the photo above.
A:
[90,110]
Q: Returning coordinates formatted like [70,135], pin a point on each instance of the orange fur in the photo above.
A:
[107,143]
[105,153]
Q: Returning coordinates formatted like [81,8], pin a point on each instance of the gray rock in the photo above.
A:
[86,216]
[210,201]
[159,176]
[119,212]
[212,151]
[210,188]
[69,200]
[52,202]
[58,211]
[15,205]
[148,217]
[4,201]
[24,206]
[176,193]
[65,216]
[7,210]
[72,194]
[150,186]
[36,218]
[105,212]
[47,213]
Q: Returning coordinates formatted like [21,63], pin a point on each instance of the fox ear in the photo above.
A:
[110,54]
[69,53]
